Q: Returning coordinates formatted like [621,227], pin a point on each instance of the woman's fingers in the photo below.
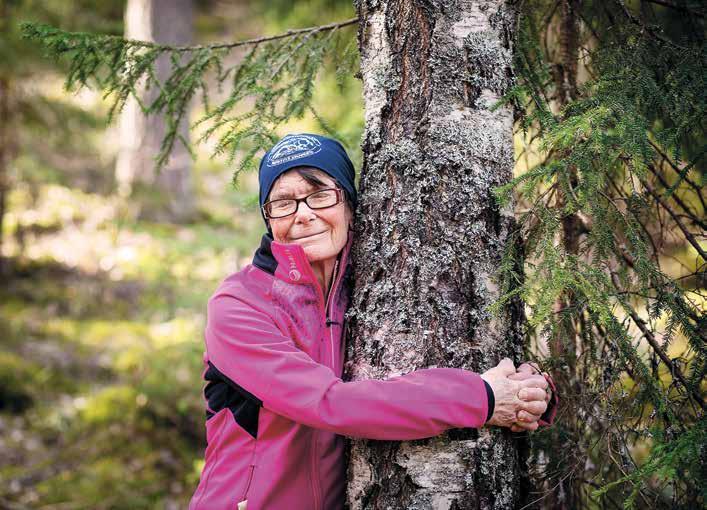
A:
[534,381]
[535,407]
[529,394]
[520,376]
[524,427]
[526,417]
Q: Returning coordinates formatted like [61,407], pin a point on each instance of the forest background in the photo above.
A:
[104,291]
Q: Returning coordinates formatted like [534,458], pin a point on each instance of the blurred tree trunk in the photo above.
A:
[565,339]
[429,237]
[4,140]
[167,194]
[4,158]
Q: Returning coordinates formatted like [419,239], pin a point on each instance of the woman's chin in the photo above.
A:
[316,253]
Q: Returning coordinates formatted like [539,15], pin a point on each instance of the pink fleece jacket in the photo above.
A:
[277,407]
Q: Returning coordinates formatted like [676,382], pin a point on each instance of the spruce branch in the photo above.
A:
[40,31]
[654,31]
[684,206]
[682,174]
[271,85]
[650,337]
[688,235]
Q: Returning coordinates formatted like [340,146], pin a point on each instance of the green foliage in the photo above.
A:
[272,84]
[617,187]
[670,461]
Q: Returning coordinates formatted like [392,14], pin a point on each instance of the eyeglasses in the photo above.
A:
[320,199]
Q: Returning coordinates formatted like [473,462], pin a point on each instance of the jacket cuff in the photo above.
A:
[548,416]
[490,400]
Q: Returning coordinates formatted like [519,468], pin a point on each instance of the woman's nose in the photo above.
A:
[303,212]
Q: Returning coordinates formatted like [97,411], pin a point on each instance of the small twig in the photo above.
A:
[688,235]
[246,42]
[694,185]
[648,335]
[685,207]
[680,8]
[638,22]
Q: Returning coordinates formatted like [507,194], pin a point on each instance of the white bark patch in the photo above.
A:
[475,20]
[487,99]
[435,467]
[375,70]
[360,474]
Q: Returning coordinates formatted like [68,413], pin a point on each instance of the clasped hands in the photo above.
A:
[521,395]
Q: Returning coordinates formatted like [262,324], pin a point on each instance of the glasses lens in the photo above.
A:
[279,208]
[322,199]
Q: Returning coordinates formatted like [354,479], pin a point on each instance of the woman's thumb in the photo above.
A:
[506,367]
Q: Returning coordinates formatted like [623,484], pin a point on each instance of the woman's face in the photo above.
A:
[322,233]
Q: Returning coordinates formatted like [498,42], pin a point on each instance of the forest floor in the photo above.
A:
[101,320]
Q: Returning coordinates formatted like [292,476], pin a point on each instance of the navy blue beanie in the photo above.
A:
[304,149]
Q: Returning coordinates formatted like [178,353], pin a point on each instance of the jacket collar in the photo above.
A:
[288,262]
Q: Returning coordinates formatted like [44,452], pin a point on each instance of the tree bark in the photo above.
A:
[429,238]
[166,22]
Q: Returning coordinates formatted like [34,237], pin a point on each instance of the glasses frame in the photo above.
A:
[339,199]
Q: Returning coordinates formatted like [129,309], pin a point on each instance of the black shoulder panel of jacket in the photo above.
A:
[263,258]
[221,392]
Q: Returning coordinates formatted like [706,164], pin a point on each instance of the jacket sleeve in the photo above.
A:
[246,346]
[548,416]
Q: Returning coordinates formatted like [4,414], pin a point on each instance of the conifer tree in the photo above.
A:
[611,99]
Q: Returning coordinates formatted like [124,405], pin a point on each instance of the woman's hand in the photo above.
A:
[517,399]
[527,421]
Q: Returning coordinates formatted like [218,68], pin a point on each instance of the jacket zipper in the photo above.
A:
[315,454]
[251,468]
[325,309]
[328,322]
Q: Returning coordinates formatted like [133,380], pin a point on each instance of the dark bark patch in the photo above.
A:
[410,37]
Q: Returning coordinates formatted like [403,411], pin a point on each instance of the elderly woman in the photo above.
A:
[276,405]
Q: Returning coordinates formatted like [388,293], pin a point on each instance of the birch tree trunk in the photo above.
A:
[429,238]
[166,22]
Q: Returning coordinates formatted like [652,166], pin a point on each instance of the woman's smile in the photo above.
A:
[307,236]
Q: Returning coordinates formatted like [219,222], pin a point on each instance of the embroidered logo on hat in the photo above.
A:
[293,147]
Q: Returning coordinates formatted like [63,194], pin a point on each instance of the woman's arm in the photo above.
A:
[244,344]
